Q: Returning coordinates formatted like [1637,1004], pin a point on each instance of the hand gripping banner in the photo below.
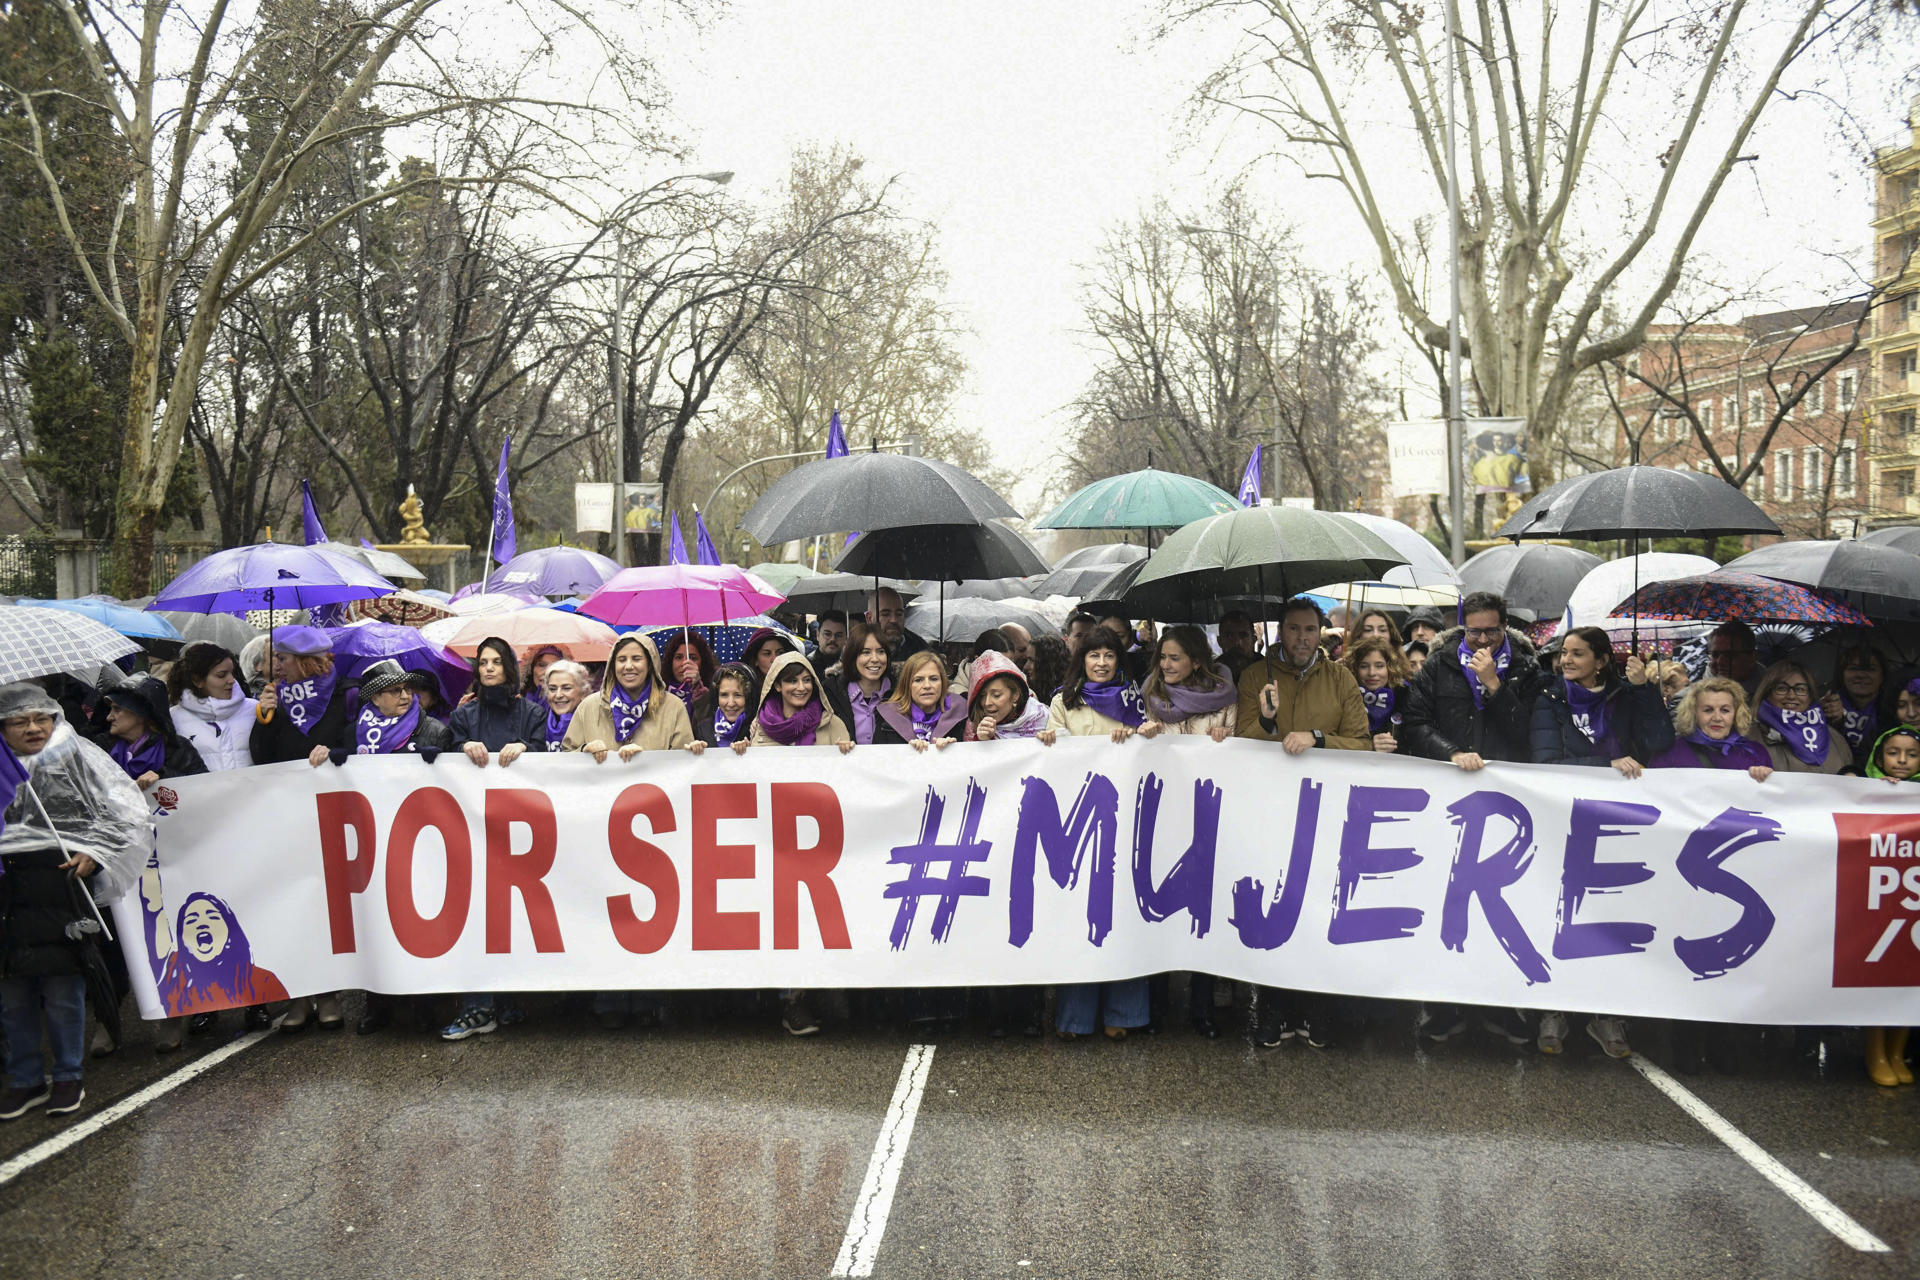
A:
[1685,893]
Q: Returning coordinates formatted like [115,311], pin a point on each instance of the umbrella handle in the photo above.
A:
[266,717]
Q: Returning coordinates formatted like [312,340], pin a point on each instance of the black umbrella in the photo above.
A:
[869,491]
[943,553]
[991,589]
[1109,554]
[1638,502]
[846,592]
[1537,576]
[1905,537]
[959,621]
[1882,582]
[1079,581]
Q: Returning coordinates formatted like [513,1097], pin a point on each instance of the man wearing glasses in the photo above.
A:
[1472,703]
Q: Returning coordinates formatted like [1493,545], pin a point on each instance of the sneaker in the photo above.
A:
[15,1103]
[1611,1035]
[797,1018]
[474,1022]
[1509,1025]
[102,1044]
[67,1097]
[1440,1025]
[512,1015]
[1311,1034]
[1553,1032]
[1271,1031]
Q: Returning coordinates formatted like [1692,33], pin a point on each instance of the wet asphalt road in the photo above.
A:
[717,1146]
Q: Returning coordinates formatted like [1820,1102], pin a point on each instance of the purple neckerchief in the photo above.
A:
[689,692]
[1805,732]
[626,710]
[306,701]
[925,720]
[1116,700]
[557,727]
[1860,726]
[1502,658]
[863,708]
[1185,701]
[376,735]
[1381,706]
[1589,708]
[1724,746]
[726,731]
[149,755]
[794,730]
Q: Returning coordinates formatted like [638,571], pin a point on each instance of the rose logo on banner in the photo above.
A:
[1876,903]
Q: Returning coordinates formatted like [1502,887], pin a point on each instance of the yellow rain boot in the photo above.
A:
[1897,1054]
[1879,1070]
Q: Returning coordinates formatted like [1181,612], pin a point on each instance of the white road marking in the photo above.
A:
[120,1110]
[1822,1210]
[869,1223]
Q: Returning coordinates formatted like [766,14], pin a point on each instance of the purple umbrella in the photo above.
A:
[270,575]
[554,571]
[358,647]
[523,594]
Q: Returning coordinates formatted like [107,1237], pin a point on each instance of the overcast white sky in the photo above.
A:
[1023,130]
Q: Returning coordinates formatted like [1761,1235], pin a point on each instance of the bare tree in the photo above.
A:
[1538,93]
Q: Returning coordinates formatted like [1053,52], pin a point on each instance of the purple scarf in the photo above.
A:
[794,730]
[1185,701]
[306,701]
[924,720]
[1805,732]
[1116,700]
[149,755]
[1502,658]
[557,727]
[725,731]
[1589,708]
[377,735]
[1382,705]
[863,708]
[689,693]
[626,711]
[1862,726]
[1727,746]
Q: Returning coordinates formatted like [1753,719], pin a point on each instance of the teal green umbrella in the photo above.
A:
[1147,499]
[1260,552]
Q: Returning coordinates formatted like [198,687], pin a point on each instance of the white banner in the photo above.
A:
[1682,894]
[1417,457]
[592,507]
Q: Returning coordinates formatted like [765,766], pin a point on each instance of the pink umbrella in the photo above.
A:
[581,639]
[680,595]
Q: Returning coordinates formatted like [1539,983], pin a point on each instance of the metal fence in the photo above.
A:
[31,566]
[27,567]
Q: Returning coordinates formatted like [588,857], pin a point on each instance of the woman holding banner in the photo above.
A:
[861,680]
[723,715]
[1896,757]
[565,685]
[1098,700]
[921,713]
[1382,673]
[1793,727]
[304,707]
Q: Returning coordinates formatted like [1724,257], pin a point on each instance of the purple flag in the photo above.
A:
[309,518]
[836,438]
[1249,494]
[504,543]
[12,774]
[676,545]
[703,541]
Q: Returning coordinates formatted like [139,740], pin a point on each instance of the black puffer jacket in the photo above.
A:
[1637,723]
[1441,719]
[429,739]
[497,717]
[278,740]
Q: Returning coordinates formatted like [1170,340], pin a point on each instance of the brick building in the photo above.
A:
[1781,387]
[1894,344]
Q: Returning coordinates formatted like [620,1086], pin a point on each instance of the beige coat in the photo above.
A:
[664,727]
[1204,723]
[831,731]
[1325,697]
[1079,722]
[1839,753]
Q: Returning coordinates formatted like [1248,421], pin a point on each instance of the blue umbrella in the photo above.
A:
[131,622]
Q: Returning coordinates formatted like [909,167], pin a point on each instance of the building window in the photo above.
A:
[1843,472]
[1817,398]
[1813,471]
[1899,487]
[1756,485]
[1730,415]
[1783,475]
[1847,383]
[1900,424]
[1706,415]
[1756,409]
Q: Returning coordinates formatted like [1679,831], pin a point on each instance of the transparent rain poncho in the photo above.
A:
[86,804]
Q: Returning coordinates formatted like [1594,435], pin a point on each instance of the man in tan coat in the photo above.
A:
[1303,700]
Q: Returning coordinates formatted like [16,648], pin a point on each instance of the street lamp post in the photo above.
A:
[622,283]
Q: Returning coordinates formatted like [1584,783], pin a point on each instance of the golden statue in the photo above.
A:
[414,533]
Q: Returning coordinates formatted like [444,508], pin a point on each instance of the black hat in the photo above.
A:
[146,698]
[389,674]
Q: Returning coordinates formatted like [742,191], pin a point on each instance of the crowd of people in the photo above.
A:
[1467,694]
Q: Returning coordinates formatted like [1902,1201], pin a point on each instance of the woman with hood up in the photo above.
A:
[75,815]
[632,712]
[1000,704]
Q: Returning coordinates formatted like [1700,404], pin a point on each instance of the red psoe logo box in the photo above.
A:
[1876,906]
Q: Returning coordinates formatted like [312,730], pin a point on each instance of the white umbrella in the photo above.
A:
[1425,565]
[44,642]
[1602,590]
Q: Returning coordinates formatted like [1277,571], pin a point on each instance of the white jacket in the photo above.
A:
[220,731]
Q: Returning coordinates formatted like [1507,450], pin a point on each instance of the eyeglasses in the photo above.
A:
[1485,633]
[1794,690]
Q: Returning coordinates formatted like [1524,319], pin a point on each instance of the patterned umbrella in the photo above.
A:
[728,641]
[43,642]
[404,608]
[1730,593]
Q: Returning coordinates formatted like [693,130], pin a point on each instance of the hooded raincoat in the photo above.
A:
[664,726]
